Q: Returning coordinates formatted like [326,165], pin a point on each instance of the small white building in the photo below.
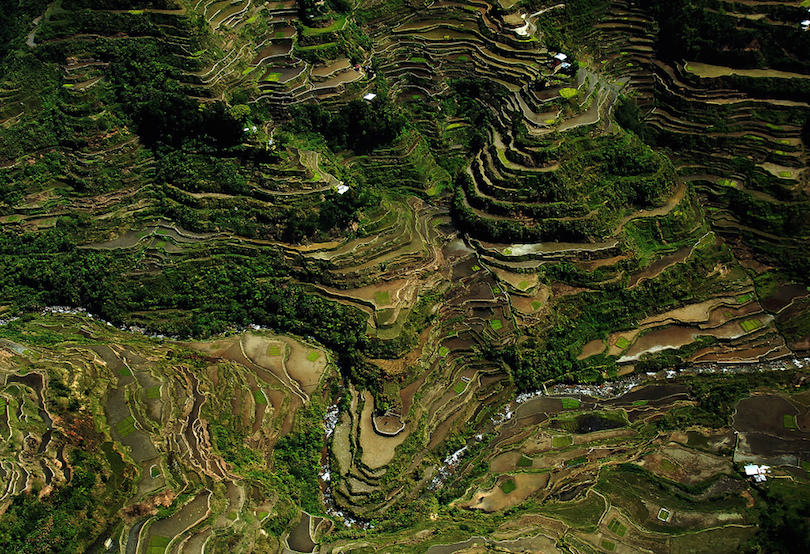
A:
[342,189]
[562,57]
[759,473]
[805,25]
[370,96]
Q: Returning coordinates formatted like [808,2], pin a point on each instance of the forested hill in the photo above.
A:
[335,241]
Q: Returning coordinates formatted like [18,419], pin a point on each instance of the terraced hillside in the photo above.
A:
[383,276]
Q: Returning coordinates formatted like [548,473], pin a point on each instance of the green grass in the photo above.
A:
[313,356]
[508,486]
[337,25]
[524,461]
[476,268]
[417,59]
[664,514]
[323,46]
[561,441]
[153,392]
[272,77]
[789,421]
[536,305]
[444,351]
[727,183]
[786,174]
[247,70]
[806,466]
[154,471]
[668,466]
[453,126]
[280,34]
[496,324]
[274,350]
[570,403]
[382,297]
[745,298]
[232,515]
[507,251]
[259,397]
[126,426]
[568,92]
[496,290]
[262,515]
[608,545]
[463,58]
[640,402]
[157,544]
[750,324]
[460,387]
[252,19]
[523,285]
[622,343]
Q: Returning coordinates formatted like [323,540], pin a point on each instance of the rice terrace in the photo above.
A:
[404,276]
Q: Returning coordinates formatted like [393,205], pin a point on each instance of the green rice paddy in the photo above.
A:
[382,297]
[259,397]
[568,92]
[272,77]
[153,392]
[622,343]
[496,324]
[157,544]
[313,356]
[444,351]
[570,403]
[561,441]
[750,324]
[523,285]
[524,461]
[536,305]
[126,426]
[460,387]
[274,350]
[789,421]
[745,298]
[508,486]
[617,527]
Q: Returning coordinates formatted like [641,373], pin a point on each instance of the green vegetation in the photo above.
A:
[561,441]
[617,527]
[508,486]
[178,172]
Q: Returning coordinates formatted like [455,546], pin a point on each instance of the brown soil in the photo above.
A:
[378,451]
[495,499]
[763,413]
